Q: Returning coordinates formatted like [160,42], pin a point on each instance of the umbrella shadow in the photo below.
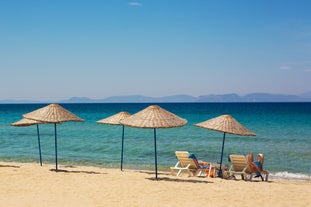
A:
[152,173]
[173,179]
[13,166]
[75,171]
[180,180]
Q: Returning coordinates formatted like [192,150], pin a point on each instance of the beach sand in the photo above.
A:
[29,184]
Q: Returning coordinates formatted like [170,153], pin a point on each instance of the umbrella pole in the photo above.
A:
[222,152]
[56,162]
[39,144]
[155,153]
[122,148]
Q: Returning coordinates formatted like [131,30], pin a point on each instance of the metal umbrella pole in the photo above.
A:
[39,144]
[56,161]
[155,153]
[122,148]
[222,153]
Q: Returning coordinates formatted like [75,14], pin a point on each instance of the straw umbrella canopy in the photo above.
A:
[55,114]
[226,124]
[154,117]
[115,120]
[28,122]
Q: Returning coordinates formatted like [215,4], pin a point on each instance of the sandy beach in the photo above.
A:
[28,184]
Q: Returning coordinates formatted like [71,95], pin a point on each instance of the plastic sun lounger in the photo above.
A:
[240,166]
[189,165]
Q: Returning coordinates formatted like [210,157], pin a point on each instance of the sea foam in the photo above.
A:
[290,176]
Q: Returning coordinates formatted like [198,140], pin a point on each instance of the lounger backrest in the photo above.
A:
[184,160]
[239,162]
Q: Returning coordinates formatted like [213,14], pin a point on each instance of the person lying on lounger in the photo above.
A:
[200,163]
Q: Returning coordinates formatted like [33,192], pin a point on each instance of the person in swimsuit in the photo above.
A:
[256,166]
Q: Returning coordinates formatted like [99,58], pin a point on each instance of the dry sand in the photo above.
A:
[28,184]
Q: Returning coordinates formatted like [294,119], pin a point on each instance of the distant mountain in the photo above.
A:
[132,99]
[253,97]
[306,95]
[177,98]
[220,98]
[79,100]
[265,97]
[127,99]
[9,101]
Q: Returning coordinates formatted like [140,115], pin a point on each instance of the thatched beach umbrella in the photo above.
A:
[154,117]
[225,124]
[55,114]
[28,122]
[115,120]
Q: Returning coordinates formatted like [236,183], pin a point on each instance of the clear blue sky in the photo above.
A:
[57,49]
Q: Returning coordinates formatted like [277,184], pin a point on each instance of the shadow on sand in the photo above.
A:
[75,171]
[13,166]
[167,177]
[181,180]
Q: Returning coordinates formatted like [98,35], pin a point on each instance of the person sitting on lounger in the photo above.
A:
[260,161]
[255,166]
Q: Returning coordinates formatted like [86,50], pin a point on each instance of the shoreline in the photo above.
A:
[29,184]
[286,176]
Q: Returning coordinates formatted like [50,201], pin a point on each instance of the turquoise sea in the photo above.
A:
[283,134]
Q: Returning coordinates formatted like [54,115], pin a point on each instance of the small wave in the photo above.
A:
[291,176]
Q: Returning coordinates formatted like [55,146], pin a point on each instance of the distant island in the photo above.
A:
[252,97]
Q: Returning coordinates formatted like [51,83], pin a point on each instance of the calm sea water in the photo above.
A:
[283,134]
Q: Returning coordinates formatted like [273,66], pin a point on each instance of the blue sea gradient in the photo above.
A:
[283,135]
